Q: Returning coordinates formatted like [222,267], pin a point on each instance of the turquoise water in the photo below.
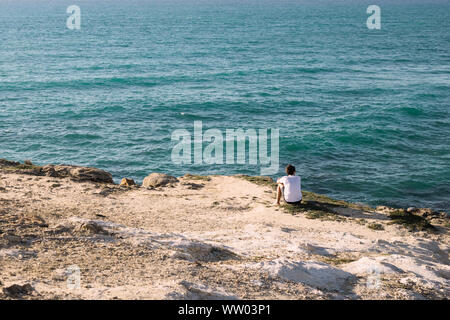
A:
[363,114]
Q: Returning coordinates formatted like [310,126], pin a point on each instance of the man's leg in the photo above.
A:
[279,193]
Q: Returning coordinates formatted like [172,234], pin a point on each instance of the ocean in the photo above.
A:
[363,114]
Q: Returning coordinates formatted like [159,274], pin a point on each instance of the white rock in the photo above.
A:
[368,265]
[315,274]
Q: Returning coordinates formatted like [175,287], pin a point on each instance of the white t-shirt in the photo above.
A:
[292,188]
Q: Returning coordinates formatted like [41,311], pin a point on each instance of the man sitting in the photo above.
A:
[290,186]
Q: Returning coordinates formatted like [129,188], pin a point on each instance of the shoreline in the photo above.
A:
[206,237]
[27,167]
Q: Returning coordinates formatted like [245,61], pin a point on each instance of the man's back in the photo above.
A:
[292,188]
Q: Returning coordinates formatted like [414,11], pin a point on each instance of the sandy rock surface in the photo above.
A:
[215,237]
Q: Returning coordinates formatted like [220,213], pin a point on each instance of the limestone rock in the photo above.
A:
[158,180]
[426,213]
[368,265]
[78,173]
[311,273]
[127,182]
[411,209]
[386,210]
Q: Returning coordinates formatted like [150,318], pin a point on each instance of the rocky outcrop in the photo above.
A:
[426,213]
[367,265]
[316,274]
[7,163]
[421,212]
[158,180]
[22,168]
[77,173]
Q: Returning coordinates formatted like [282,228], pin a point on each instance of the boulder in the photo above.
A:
[158,180]
[127,182]
[77,173]
[412,209]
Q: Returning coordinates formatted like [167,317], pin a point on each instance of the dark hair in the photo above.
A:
[290,169]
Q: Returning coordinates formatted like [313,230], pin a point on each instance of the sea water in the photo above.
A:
[363,114]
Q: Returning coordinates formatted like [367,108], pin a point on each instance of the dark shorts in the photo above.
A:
[295,203]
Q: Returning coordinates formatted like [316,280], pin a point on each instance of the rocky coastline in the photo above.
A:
[206,237]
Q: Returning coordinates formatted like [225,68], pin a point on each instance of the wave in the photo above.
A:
[81,136]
